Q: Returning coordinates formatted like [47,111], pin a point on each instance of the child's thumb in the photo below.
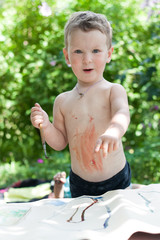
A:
[37,105]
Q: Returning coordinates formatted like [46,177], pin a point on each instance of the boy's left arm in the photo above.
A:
[109,141]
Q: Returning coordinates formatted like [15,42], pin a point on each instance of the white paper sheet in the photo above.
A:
[114,215]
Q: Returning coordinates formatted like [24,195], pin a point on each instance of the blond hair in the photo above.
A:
[87,21]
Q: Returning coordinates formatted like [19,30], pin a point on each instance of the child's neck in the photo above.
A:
[83,88]
[81,84]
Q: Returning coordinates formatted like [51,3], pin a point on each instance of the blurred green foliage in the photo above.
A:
[33,69]
[41,169]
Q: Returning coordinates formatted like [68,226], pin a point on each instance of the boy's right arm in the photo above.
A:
[55,134]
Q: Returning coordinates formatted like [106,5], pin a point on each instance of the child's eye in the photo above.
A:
[96,51]
[78,51]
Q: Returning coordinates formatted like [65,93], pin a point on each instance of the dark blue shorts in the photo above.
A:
[79,186]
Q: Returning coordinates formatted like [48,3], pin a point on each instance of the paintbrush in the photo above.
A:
[43,140]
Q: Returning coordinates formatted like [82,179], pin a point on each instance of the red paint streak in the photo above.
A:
[84,149]
[70,219]
[93,162]
[76,148]
[91,119]
[83,212]
[73,116]
[82,215]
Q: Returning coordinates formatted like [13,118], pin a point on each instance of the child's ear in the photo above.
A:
[110,51]
[66,56]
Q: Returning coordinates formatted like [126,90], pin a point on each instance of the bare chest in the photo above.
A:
[85,114]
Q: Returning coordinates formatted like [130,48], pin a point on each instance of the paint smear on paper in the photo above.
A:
[12,214]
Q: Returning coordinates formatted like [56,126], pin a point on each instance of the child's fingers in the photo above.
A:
[110,148]
[98,145]
[36,117]
[116,146]
[36,109]
[37,105]
[60,177]
[105,149]
[38,122]
[63,174]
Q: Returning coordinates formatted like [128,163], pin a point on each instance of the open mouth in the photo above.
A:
[87,70]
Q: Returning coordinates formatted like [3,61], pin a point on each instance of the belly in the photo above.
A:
[93,166]
[83,150]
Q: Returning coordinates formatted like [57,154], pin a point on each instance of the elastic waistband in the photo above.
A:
[116,178]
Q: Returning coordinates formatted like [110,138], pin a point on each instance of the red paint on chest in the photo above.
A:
[73,116]
[91,119]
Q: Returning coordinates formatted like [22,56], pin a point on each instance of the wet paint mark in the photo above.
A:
[91,119]
[95,200]
[84,149]
[73,116]
[147,201]
[71,218]
[83,212]
[82,215]
[105,225]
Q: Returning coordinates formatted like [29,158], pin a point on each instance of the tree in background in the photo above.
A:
[33,69]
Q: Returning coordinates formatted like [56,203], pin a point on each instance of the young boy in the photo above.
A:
[94,115]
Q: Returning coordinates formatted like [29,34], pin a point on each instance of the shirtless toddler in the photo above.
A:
[94,115]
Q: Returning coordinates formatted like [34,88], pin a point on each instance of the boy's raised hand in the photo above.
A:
[108,142]
[39,116]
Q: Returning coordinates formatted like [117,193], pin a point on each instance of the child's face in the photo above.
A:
[88,54]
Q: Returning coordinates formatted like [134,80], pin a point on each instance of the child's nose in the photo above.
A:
[87,58]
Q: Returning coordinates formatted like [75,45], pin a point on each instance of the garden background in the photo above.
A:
[33,69]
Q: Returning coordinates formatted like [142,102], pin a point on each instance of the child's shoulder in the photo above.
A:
[117,90]
[114,86]
[63,97]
